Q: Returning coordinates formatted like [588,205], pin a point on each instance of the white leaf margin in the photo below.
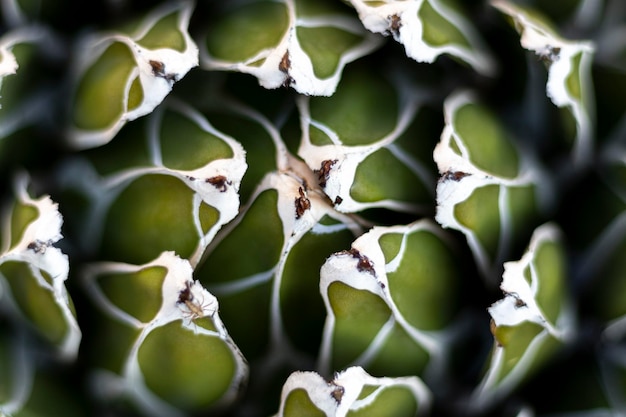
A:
[400,19]
[102,191]
[288,185]
[156,86]
[299,73]
[536,36]
[343,267]
[36,249]
[516,288]
[452,191]
[346,159]
[518,306]
[340,397]
[179,276]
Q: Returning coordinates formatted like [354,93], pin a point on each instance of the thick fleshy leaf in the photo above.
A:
[33,271]
[122,76]
[489,189]
[173,191]
[569,71]
[353,392]
[350,138]
[389,302]
[304,44]
[427,29]
[288,230]
[180,358]
[533,320]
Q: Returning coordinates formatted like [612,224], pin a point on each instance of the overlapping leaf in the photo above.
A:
[304,44]
[427,29]
[352,137]
[569,71]
[353,392]
[532,321]
[285,231]
[170,184]
[389,300]
[33,271]
[271,299]
[489,189]
[164,345]
[120,76]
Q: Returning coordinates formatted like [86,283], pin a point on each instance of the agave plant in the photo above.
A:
[313,208]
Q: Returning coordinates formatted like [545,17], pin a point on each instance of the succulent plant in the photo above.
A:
[313,208]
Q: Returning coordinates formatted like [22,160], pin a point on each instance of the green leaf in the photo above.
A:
[532,322]
[428,29]
[190,371]
[181,357]
[169,186]
[387,299]
[122,76]
[569,71]
[350,138]
[33,271]
[289,231]
[353,392]
[489,189]
[304,44]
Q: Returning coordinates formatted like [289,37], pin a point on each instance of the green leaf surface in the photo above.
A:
[257,26]
[153,214]
[99,98]
[387,297]
[489,189]
[189,371]
[533,321]
[300,44]
[36,302]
